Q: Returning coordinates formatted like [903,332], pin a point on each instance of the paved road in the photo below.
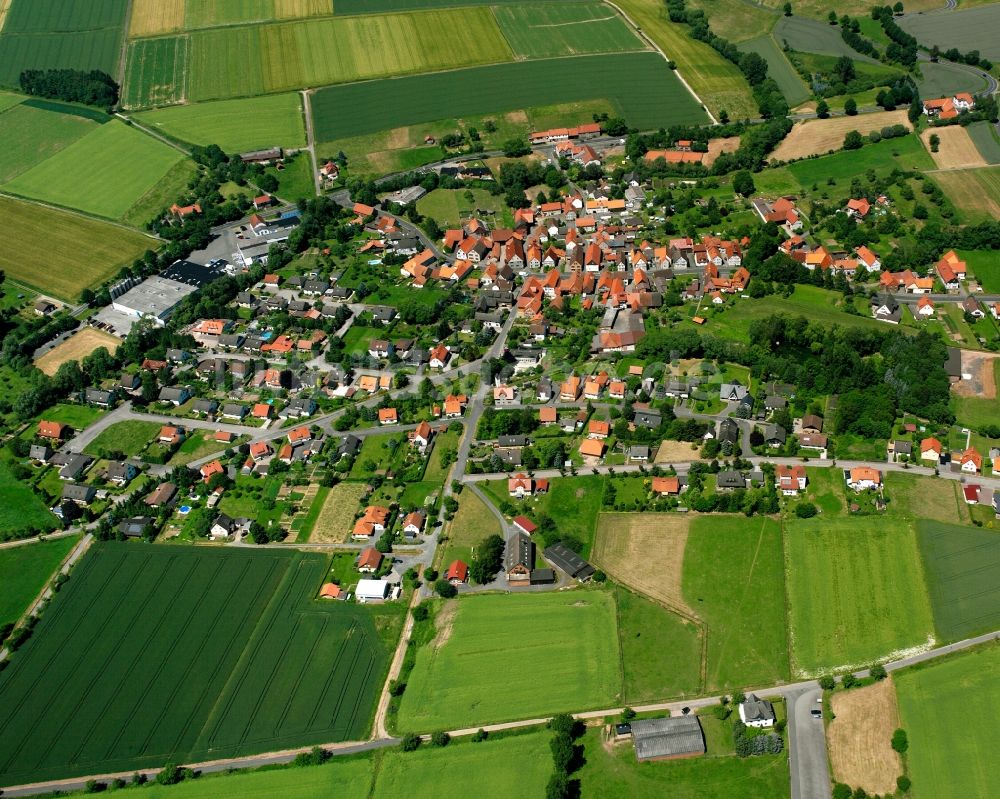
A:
[807,757]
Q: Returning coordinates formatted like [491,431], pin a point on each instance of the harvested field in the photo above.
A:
[859,736]
[337,516]
[956,150]
[819,136]
[717,147]
[975,192]
[76,348]
[645,551]
[674,451]
[152,17]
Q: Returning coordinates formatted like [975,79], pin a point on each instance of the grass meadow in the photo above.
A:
[969,29]
[156,72]
[779,68]
[104,173]
[129,437]
[647,92]
[33,131]
[811,36]
[26,570]
[292,55]
[734,580]
[71,251]
[503,657]
[735,20]
[962,565]
[904,153]
[985,137]
[473,521]
[226,655]
[272,121]
[975,192]
[948,711]
[942,79]
[856,591]
[561,29]
[719,84]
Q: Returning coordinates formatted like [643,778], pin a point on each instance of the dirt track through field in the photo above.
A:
[859,737]
[645,552]
[819,136]
[956,149]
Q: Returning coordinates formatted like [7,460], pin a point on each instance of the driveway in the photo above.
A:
[807,746]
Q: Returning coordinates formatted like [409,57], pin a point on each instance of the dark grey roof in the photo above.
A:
[729,430]
[173,393]
[520,551]
[756,709]
[234,409]
[74,465]
[133,527]
[650,419]
[565,559]
[774,432]
[349,445]
[40,452]
[512,441]
[953,364]
[775,402]
[730,479]
[542,576]
[902,447]
[204,406]
[99,395]
[78,492]
[669,737]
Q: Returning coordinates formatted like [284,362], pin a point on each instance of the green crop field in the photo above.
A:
[75,34]
[506,767]
[156,71]
[71,252]
[984,266]
[779,68]
[856,591]
[34,131]
[208,13]
[963,577]
[272,121]
[104,173]
[647,94]
[942,79]
[971,29]
[985,137]
[719,83]
[25,570]
[557,29]
[293,55]
[151,654]
[505,657]
[22,512]
[903,153]
[347,7]
[948,711]
[741,603]
[811,36]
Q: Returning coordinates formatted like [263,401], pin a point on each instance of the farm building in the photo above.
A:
[372,591]
[668,739]
[518,558]
[566,560]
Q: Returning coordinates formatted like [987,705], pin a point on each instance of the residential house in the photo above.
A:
[79,493]
[519,558]
[756,712]
[372,522]
[388,416]
[863,477]
[420,437]
[666,486]
[413,524]
[790,480]
[175,395]
[457,573]
[162,495]
[54,430]
[100,397]
[970,461]
[931,449]
[370,560]
[592,448]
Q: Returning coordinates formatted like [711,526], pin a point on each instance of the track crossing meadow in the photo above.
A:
[156,654]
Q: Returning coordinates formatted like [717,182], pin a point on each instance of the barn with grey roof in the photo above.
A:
[668,739]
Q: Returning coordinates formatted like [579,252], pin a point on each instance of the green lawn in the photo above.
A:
[661,652]
[229,654]
[968,29]
[270,121]
[473,521]
[515,656]
[161,195]
[719,776]
[812,36]
[78,417]
[198,444]
[903,153]
[963,577]
[356,339]
[375,454]
[946,80]
[25,570]
[130,437]
[507,767]
[987,141]
[445,444]
[947,709]
[104,173]
[985,266]
[295,181]
[562,29]
[856,591]
[22,512]
[734,580]
[450,207]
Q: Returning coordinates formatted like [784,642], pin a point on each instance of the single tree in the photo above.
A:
[822,109]
[850,107]
[788,9]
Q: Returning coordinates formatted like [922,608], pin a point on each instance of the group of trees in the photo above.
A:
[903,47]
[749,741]
[91,87]
[567,756]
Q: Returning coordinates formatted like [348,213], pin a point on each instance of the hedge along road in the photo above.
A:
[647,93]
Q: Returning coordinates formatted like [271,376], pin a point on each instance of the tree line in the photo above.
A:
[91,87]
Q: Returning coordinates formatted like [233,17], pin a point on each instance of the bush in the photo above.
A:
[440,739]
[805,510]
[878,672]
[444,589]
[899,741]
[848,680]
[480,736]
[410,742]
[841,791]
[827,682]
[421,613]
[903,783]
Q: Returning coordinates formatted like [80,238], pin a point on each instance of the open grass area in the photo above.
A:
[450,207]
[943,79]
[987,141]
[646,93]
[104,173]
[734,580]
[161,194]
[60,34]
[661,652]
[62,253]
[270,121]
[35,130]
[293,55]
[889,154]
[963,577]
[613,771]
[947,711]
[974,192]
[503,657]
[779,68]
[856,592]
[913,498]
[811,36]
[25,571]
[984,265]
[512,766]
[227,654]
[22,512]
[560,29]
[129,437]
[735,20]
[968,29]
[198,444]
[77,347]
[76,416]
[473,521]
[719,83]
